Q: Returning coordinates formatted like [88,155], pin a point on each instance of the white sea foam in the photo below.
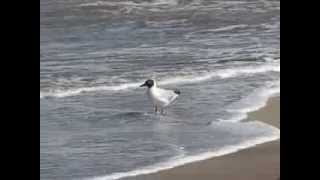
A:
[72,92]
[41,95]
[259,97]
[220,29]
[132,3]
[225,73]
[189,79]
[228,28]
[250,103]
[178,161]
[166,2]
[254,101]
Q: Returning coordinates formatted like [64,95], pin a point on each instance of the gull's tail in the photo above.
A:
[177,92]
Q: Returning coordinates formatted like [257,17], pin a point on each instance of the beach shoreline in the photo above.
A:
[257,162]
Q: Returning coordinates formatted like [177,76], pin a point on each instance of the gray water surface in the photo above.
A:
[224,56]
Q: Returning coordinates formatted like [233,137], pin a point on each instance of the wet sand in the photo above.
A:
[261,162]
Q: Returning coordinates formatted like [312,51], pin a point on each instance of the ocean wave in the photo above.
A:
[187,79]
[178,161]
[253,101]
[72,92]
[225,73]
[220,29]
[132,3]
[260,97]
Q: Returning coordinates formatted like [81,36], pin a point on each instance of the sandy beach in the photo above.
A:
[261,162]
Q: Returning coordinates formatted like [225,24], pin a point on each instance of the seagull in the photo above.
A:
[160,98]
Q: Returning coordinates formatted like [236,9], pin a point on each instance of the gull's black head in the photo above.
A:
[149,83]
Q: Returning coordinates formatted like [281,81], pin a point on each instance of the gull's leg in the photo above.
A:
[155,109]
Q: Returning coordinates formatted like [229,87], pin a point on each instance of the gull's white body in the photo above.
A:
[161,98]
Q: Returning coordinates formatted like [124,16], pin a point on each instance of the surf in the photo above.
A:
[184,159]
[184,79]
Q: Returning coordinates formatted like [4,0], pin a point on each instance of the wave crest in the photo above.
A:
[189,79]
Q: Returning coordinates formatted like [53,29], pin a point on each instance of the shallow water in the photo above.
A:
[224,56]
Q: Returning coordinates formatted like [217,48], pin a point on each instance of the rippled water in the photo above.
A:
[224,56]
